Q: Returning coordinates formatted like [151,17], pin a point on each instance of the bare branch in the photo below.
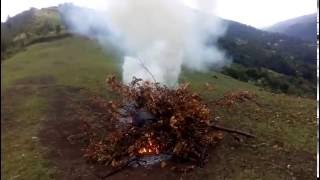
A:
[145,68]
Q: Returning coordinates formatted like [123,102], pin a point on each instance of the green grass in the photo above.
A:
[70,61]
[285,125]
[220,82]
[20,150]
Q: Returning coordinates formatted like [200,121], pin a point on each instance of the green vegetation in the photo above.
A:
[285,125]
[27,27]
[259,52]
[272,81]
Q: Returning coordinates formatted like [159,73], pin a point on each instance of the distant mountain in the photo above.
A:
[304,27]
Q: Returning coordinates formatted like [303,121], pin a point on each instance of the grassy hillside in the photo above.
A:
[40,85]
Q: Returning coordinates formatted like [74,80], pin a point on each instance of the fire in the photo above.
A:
[150,148]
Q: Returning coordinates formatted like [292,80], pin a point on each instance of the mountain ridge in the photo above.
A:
[303,27]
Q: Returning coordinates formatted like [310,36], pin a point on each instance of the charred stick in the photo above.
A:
[233,131]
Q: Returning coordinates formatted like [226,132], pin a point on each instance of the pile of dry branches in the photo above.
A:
[182,124]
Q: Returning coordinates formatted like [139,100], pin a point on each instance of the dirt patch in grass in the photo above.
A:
[62,135]
[13,97]
[61,123]
[63,158]
[37,80]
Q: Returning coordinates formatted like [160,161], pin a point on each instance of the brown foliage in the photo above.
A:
[183,126]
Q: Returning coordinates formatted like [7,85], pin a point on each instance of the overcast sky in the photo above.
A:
[258,13]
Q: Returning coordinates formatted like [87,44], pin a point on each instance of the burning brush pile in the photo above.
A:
[151,120]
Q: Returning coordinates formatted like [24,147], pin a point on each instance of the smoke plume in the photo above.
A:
[159,36]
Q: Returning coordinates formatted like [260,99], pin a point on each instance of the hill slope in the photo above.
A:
[40,85]
[303,27]
[273,61]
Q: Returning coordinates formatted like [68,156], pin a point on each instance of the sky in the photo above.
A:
[257,13]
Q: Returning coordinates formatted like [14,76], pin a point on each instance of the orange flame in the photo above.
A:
[150,148]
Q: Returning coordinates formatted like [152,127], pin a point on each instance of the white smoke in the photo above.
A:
[160,35]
